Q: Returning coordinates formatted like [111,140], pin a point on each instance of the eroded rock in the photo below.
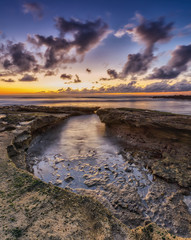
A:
[163,140]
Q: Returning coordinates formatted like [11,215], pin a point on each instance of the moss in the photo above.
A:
[150,228]
[2,194]
[36,183]
[16,232]
[12,219]
[19,182]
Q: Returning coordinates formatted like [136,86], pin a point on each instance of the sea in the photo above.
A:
[166,105]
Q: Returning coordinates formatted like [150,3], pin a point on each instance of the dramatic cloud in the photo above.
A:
[149,33]
[162,86]
[77,79]
[88,70]
[131,87]
[19,57]
[66,76]
[69,77]
[7,80]
[112,73]
[178,63]
[6,64]
[75,40]
[137,63]
[50,73]
[28,78]
[57,50]
[87,35]
[33,8]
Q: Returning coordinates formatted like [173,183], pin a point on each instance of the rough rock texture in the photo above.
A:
[162,139]
[43,109]
[31,209]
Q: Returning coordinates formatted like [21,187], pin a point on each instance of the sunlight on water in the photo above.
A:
[166,105]
[78,155]
[77,148]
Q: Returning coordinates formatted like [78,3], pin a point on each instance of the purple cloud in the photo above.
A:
[66,76]
[178,63]
[85,36]
[35,9]
[28,78]
[149,33]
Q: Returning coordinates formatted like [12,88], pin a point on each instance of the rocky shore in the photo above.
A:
[163,140]
[32,209]
[177,97]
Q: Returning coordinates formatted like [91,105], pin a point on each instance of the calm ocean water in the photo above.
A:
[166,105]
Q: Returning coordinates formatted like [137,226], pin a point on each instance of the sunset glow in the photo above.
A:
[120,47]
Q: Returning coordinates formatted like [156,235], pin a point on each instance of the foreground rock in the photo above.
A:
[162,140]
[31,209]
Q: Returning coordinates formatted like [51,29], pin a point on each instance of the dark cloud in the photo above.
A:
[84,36]
[57,50]
[28,78]
[122,88]
[75,39]
[88,70]
[8,80]
[131,87]
[178,63]
[137,63]
[66,76]
[149,33]
[77,79]
[104,79]
[33,8]
[163,86]
[112,73]
[6,64]
[165,72]
[19,57]
[49,73]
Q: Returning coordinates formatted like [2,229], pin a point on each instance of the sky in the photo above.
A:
[81,46]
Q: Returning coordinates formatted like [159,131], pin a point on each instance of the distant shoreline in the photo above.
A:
[179,97]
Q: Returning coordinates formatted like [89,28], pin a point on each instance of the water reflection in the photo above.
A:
[166,105]
[78,155]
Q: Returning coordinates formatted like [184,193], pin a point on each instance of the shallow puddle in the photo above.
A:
[2,116]
[78,155]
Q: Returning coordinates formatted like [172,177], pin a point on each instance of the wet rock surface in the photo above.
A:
[98,166]
[163,140]
[31,209]
[36,210]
